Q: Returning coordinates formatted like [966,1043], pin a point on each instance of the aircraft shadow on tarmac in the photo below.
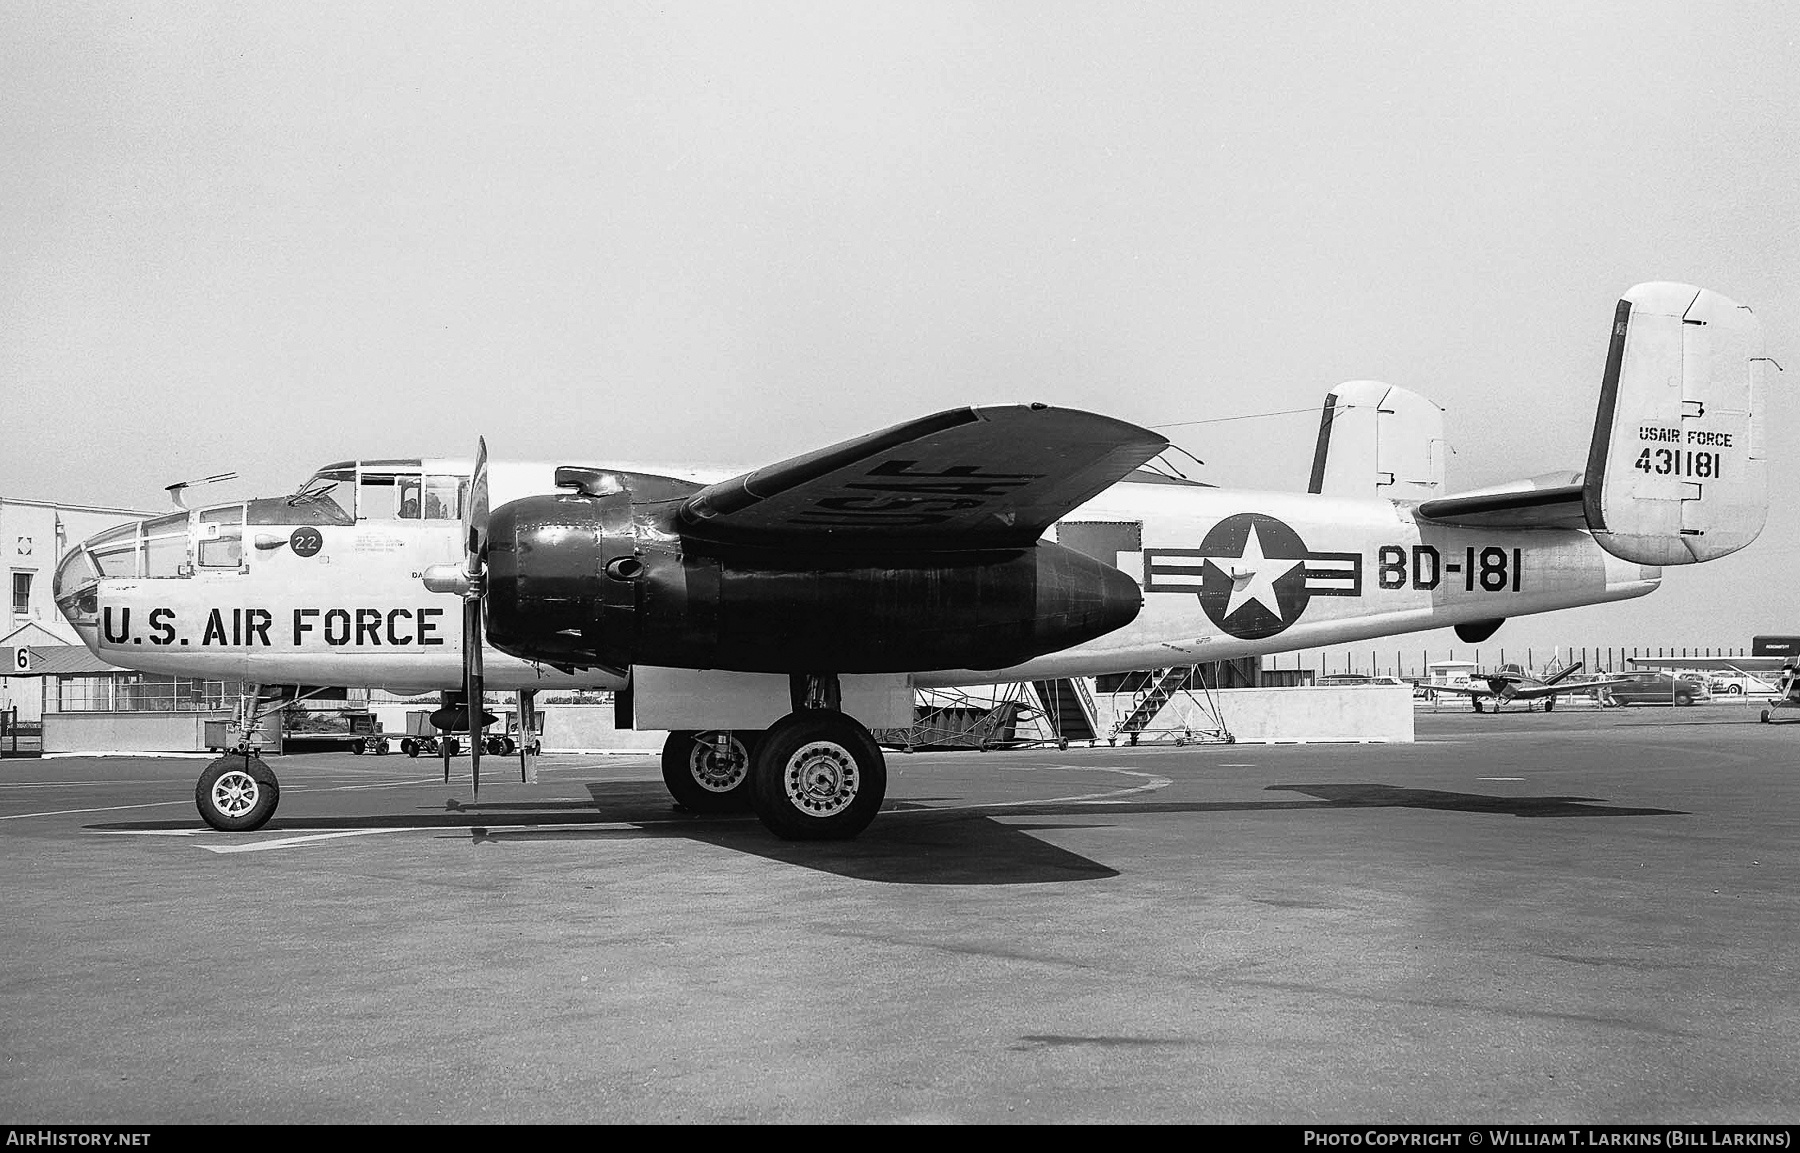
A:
[914,842]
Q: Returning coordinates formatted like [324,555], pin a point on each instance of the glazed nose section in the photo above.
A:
[76,585]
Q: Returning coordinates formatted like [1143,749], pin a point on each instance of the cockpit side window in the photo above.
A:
[220,533]
[388,494]
[444,497]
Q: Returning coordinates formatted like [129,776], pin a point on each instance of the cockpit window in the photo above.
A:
[383,490]
[444,497]
[314,500]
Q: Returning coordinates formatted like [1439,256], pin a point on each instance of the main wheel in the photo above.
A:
[1684,699]
[817,776]
[706,778]
[357,747]
[237,794]
[1549,704]
[1476,701]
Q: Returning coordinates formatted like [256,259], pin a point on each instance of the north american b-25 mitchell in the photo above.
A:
[769,620]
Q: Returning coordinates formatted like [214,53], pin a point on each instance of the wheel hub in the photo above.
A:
[718,772]
[821,778]
[235,793]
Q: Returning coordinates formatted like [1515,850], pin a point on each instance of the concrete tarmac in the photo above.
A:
[1581,917]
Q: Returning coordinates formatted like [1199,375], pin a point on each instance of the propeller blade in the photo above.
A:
[527,699]
[475,513]
[472,683]
[475,523]
[444,737]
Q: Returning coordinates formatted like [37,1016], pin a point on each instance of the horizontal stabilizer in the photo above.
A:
[1553,501]
[968,478]
[1676,472]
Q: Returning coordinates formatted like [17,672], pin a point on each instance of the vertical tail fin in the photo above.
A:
[1379,440]
[1677,470]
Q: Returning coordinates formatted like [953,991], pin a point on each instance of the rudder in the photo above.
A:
[1676,470]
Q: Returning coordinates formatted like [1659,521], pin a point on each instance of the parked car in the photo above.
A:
[1737,684]
[1655,689]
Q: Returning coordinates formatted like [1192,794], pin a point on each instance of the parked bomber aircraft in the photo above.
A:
[1510,682]
[769,620]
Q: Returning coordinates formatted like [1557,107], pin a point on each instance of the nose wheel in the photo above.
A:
[237,793]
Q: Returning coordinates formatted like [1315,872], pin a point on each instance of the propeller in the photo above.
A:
[474,524]
[469,581]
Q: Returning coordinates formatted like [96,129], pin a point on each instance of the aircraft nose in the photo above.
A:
[75,586]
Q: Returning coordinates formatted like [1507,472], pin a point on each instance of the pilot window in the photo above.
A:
[385,496]
[444,497]
[221,537]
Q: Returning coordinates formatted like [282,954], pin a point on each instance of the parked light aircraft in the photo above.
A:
[1510,682]
[770,620]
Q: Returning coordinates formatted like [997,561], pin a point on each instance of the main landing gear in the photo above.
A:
[709,771]
[815,775]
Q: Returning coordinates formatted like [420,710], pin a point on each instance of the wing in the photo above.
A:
[1541,691]
[963,479]
[1459,690]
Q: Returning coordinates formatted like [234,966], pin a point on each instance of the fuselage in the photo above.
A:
[314,592]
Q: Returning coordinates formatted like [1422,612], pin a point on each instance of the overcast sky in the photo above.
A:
[262,237]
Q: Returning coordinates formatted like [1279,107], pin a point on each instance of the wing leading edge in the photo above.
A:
[961,479]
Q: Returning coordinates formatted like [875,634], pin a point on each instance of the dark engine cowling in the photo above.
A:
[596,580]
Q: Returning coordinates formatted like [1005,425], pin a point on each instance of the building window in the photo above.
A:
[21,594]
[141,693]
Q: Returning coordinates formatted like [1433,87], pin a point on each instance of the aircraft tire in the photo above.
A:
[410,747]
[699,780]
[1765,716]
[817,776]
[356,747]
[1549,704]
[237,794]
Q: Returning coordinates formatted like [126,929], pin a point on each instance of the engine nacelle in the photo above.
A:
[602,578]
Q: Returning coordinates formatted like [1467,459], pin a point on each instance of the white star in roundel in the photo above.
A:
[1253,576]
